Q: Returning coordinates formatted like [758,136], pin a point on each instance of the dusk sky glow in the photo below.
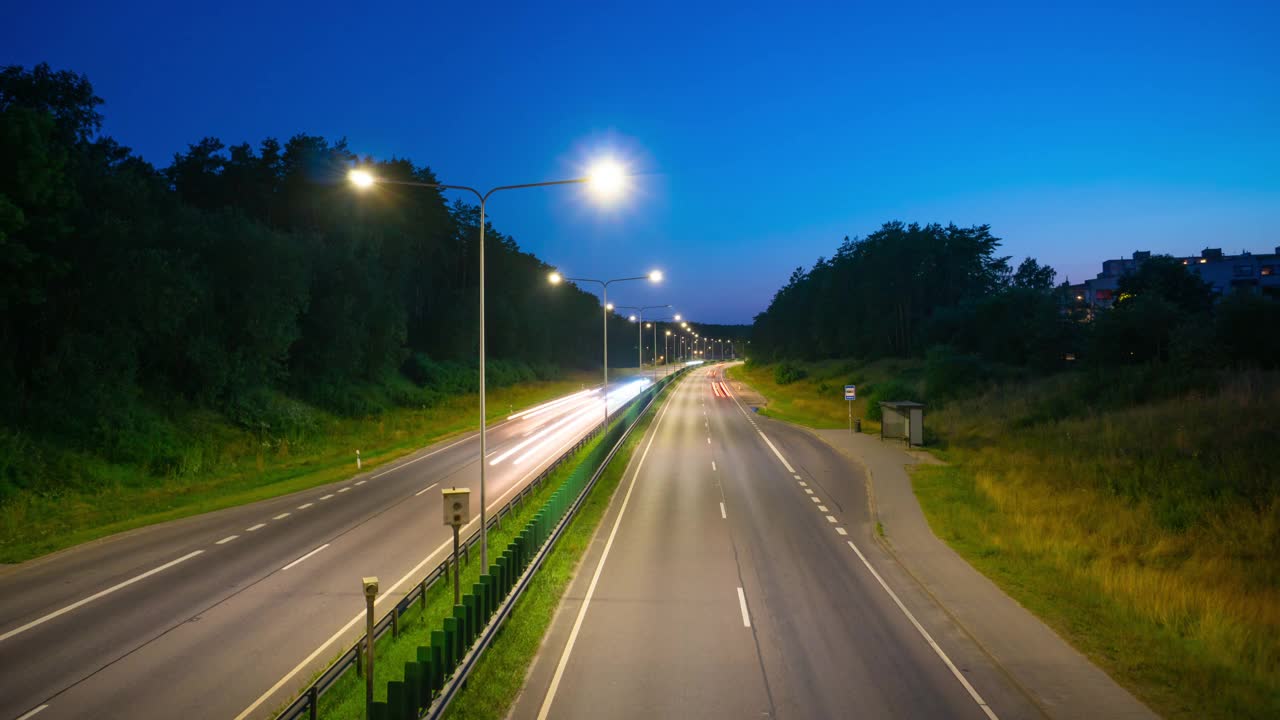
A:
[760,136]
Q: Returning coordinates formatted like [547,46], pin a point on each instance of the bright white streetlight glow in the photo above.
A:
[554,278]
[361,178]
[678,318]
[609,306]
[632,318]
[655,276]
[607,179]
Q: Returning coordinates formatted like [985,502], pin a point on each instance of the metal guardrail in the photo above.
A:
[307,703]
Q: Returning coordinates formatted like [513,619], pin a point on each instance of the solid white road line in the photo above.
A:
[742,604]
[842,531]
[545,710]
[425,489]
[281,516]
[304,506]
[831,520]
[722,511]
[925,634]
[32,712]
[326,497]
[775,452]
[423,457]
[304,557]
[259,526]
[387,594]
[226,539]
[95,596]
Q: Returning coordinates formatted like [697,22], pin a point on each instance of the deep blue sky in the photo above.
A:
[1078,132]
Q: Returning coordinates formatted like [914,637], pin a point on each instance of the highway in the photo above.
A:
[227,614]
[736,576]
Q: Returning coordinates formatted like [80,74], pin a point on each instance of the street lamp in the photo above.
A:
[606,180]
[638,318]
[654,276]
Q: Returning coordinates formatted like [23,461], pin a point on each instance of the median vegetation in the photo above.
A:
[1112,469]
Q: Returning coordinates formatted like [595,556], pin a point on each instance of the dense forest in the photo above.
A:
[946,293]
[238,271]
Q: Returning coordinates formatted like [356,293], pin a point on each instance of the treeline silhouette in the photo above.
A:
[237,270]
[945,293]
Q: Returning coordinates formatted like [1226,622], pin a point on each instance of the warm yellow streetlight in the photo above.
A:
[361,178]
[554,278]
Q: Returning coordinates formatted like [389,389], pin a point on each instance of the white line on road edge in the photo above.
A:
[97,595]
[742,604]
[389,592]
[304,506]
[925,634]
[304,557]
[722,512]
[226,539]
[545,710]
[425,489]
[32,713]
[281,516]
[326,497]
[422,457]
[775,452]
[842,531]
[259,526]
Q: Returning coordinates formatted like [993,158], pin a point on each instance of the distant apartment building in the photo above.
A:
[1224,273]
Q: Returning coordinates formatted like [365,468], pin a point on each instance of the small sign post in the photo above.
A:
[457,512]
[850,394]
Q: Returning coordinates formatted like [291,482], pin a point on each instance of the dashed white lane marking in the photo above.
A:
[722,511]
[796,477]
[925,634]
[842,531]
[831,520]
[425,489]
[804,484]
[822,508]
[713,466]
[326,497]
[304,557]
[816,500]
[281,516]
[742,605]
[342,490]
[259,526]
[226,539]
[775,452]
[32,713]
[304,506]
[361,482]
[95,596]
[808,491]
[708,439]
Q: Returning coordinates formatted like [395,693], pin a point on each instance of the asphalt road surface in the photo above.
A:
[226,615]
[736,577]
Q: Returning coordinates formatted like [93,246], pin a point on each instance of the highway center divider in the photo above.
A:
[442,665]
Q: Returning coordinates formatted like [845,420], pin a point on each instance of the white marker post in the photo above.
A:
[359,465]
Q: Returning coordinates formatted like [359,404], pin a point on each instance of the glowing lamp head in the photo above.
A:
[678,318]
[607,179]
[609,306]
[655,276]
[361,178]
[554,278]
[632,318]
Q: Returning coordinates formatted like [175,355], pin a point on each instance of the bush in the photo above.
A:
[948,374]
[884,392]
[786,373]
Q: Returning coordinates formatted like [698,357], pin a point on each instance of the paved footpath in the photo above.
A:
[1057,677]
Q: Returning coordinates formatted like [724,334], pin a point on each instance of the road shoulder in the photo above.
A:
[1057,677]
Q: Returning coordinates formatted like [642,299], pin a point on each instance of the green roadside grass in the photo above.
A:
[1146,534]
[817,401]
[499,674]
[224,466]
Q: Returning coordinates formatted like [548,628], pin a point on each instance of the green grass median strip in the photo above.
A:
[500,673]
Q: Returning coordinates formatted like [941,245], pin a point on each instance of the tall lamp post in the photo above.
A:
[654,276]
[638,318]
[607,179]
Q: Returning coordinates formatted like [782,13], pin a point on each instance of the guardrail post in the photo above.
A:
[395,621]
[313,702]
